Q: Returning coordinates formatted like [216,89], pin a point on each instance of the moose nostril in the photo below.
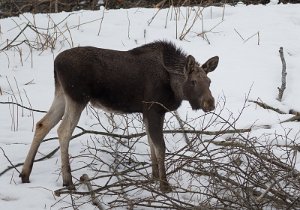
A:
[209,105]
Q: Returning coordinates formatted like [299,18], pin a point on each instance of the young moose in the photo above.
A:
[152,79]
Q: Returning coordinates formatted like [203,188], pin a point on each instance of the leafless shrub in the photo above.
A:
[31,38]
[43,39]
[190,16]
[219,167]
[223,169]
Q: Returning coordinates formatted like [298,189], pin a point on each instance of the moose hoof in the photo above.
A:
[165,188]
[24,178]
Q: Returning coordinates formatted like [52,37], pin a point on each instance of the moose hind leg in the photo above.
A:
[71,117]
[43,127]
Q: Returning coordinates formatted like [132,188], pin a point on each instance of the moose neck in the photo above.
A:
[176,82]
[174,60]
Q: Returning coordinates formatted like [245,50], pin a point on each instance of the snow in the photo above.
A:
[246,38]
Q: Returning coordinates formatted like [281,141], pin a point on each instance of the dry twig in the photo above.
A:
[95,201]
[283,75]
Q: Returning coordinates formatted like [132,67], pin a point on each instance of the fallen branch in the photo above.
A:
[129,136]
[49,155]
[292,119]
[249,172]
[266,106]
[283,75]
[86,180]
[12,165]
[261,179]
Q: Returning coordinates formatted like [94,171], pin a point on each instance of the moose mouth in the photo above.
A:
[208,109]
[195,106]
[208,106]
[205,107]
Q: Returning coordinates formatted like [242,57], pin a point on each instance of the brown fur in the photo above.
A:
[152,79]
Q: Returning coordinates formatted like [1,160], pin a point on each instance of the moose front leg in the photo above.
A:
[154,127]
[155,173]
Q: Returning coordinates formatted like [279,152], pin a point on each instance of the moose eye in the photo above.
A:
[193,82]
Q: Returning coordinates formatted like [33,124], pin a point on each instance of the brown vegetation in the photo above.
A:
[15,7]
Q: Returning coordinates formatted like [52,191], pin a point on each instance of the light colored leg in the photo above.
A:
[71,117]
[43,127]
[160,156]
[155,172]
[154,127]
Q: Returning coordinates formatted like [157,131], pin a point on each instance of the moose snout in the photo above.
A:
[208,104]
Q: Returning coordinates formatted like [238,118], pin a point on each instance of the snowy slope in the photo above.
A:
[246,38]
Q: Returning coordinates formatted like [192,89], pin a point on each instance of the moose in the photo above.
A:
[152,79]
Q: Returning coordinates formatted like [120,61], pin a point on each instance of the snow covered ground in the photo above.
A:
[246,38]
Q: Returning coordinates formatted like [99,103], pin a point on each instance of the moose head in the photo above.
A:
[196,85]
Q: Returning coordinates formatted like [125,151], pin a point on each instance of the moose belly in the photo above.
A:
[120,108]
[105,108]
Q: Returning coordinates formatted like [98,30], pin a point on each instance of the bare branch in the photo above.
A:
[266,106]
[283,75]
[12,165]
[85,180]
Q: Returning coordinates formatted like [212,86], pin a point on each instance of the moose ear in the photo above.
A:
[189,65]
[211,64]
